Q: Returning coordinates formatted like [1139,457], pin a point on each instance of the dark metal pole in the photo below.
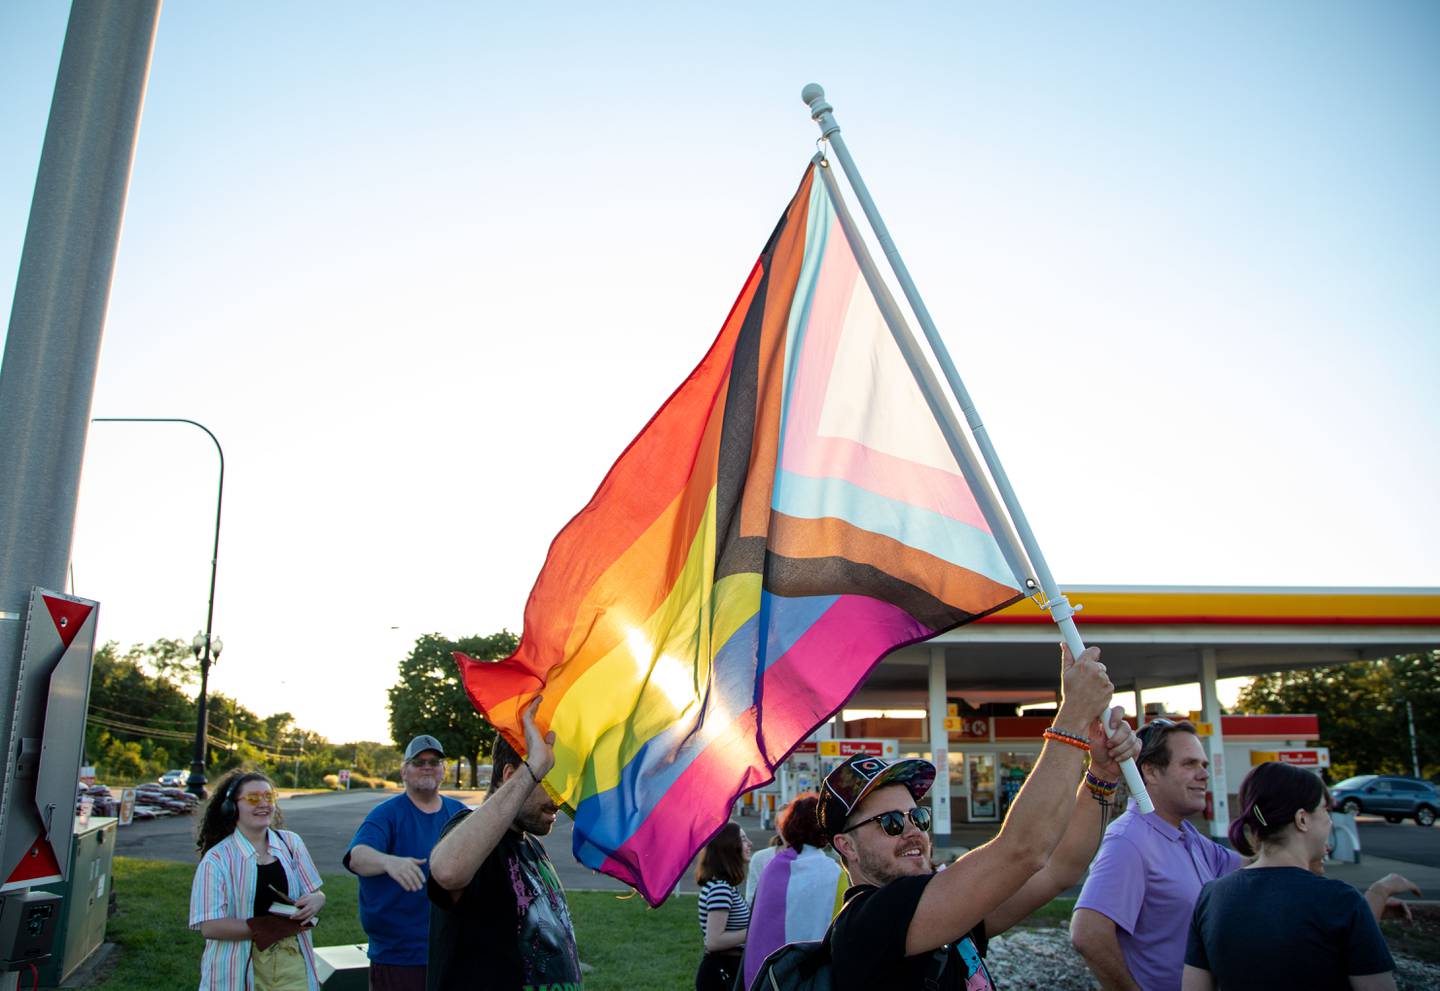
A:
[62,289]
[1414,750]
[196,782]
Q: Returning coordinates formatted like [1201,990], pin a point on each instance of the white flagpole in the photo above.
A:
[1055,602]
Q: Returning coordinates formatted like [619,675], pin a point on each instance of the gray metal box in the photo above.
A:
[86,890]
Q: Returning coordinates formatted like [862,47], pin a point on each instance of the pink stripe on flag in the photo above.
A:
[822,667]
[905,482]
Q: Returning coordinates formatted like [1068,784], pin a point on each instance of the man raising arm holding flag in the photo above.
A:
[498,915]
[901,912]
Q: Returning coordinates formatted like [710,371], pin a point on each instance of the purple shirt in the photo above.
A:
[1146,879]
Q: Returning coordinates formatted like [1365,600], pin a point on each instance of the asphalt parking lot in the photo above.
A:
[1399,841]
[327,821]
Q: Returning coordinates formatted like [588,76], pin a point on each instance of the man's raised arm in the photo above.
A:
[1076,849]
[957,899]
[461,851]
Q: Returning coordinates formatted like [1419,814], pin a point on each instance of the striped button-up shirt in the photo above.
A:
[224,888]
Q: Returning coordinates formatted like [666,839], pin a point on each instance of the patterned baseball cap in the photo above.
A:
[847,785]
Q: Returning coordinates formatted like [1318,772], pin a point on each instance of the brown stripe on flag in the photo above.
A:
[960,588]
[797,577]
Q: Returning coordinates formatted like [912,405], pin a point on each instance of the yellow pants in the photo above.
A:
[281,968]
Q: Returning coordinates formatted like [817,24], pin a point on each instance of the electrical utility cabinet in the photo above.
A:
[86,893]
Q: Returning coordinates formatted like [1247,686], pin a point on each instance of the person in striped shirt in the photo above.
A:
[247,865]
[724,913]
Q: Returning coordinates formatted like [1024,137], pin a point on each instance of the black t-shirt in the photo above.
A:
[867,947]
[510,930]
[1284,927]
[268,876]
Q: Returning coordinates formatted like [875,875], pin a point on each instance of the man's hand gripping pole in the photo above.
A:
[1064,615]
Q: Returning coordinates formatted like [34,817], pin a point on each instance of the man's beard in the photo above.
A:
[423,785]
[535,821]
[881,869]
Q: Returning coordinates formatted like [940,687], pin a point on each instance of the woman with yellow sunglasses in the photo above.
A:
[256,893]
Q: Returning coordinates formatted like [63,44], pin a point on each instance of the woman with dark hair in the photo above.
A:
[1275,923]
[255,893]
[724,916]
[800,890]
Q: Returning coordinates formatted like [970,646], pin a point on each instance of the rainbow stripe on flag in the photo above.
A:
[790,515]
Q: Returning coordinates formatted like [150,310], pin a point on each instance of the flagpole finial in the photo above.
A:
[820,110]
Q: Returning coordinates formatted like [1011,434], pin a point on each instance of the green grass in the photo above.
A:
[1055,913]
[628,944]
[633,947]
[156,948]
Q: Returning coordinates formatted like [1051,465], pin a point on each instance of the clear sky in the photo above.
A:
[425,269]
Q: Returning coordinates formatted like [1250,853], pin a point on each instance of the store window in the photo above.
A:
[957,772]
[984,799]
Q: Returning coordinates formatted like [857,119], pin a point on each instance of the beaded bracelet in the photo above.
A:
[1101,783]
[1101,789]
[1060,736]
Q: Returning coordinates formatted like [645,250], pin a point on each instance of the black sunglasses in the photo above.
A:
[893,822]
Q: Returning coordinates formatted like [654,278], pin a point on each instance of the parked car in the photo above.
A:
[174,779]
[1386,795]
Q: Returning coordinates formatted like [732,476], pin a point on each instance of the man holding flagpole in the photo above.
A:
[905,925]
[498,915]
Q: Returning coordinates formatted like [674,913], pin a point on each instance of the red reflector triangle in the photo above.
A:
[68,616]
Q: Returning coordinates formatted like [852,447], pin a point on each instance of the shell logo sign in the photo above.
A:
[849,748]
[1316,757]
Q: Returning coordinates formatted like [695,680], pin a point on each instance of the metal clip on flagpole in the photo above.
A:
[1055,602]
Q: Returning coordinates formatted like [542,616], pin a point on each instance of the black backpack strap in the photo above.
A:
[937,967]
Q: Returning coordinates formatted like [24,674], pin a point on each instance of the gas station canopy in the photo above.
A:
[1153,636]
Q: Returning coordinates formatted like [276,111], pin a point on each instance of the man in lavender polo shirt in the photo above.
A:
[1133,914]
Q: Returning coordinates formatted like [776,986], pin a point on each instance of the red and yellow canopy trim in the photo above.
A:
[1239,606]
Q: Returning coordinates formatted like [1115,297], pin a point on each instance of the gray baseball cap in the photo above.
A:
[422,743]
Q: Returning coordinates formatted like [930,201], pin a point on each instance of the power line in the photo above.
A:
[138,730]
[132,717]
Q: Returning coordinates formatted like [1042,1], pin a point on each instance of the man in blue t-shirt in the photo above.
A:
[389,852]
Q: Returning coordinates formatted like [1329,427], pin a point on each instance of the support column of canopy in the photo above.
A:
[939,747]
[1214,745]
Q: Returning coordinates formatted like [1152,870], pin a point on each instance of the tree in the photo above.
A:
[430,698]
[1362,710]
[142,722]
[169,660]
[129,705]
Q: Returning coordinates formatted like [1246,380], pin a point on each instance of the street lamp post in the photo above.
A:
[207,649]
[203,650]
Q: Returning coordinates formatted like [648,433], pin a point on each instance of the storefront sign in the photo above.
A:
[1317,757]
[849,748]
[975,728]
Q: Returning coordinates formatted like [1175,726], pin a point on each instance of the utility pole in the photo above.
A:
[62,290]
